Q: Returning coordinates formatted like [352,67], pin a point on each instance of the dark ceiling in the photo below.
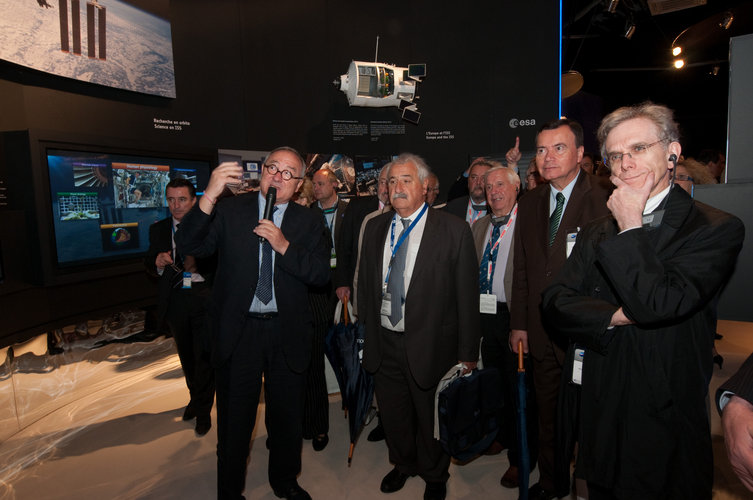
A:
[619,71]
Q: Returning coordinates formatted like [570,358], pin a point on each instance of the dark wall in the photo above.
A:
[255,75]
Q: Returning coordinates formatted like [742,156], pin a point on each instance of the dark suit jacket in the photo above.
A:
[479,240]
[536,263]
[643,420]
[160,240]
[347,239]
[338,220]
[741,383]
[441,303]
[458,206]
[228,231]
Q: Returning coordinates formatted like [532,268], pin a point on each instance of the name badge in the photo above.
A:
[570,242]
[386,304]
[333,260]
[578,366]
[488,303]
[186,279]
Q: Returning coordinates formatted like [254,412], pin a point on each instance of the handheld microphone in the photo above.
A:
[271,199]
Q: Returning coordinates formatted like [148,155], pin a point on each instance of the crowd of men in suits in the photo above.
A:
[609,291]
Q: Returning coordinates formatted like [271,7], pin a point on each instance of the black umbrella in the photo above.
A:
[524,456]
[356,384]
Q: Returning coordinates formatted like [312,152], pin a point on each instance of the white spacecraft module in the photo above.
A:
[379,85]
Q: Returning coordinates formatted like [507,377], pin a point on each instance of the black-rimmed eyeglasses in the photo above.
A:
[286,175]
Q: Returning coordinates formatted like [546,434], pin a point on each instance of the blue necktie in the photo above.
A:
[396,284]
[264,286]
[485,279]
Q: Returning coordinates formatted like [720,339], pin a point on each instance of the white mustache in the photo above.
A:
[399,195]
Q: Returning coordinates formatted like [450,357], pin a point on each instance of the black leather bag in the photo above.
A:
[468,410]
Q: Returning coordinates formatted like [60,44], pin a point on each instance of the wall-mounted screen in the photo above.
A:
[103,203]
[117,43]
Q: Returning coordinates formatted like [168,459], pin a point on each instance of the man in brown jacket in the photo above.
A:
[549,219]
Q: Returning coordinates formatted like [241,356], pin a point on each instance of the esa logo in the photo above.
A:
[515,123]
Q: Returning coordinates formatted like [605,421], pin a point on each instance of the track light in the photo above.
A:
[679,63]
[612,8]
[676,51]
[630,31]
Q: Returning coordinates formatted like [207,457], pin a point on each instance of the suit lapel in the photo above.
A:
[569,219]
[429,241]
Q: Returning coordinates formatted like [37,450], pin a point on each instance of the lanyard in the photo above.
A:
[472,218]
[400,240]
[496,244]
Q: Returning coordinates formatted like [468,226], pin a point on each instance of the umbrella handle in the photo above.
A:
[521,367]
[345,312]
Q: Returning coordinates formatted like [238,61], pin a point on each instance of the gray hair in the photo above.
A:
[660,115]
[512,177]
[423,169]
[292,151]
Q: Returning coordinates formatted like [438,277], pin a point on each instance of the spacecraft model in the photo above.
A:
[378,85]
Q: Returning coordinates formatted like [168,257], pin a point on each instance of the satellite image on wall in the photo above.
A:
[107,42]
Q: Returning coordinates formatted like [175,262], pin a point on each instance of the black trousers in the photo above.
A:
[239,381]
[407,413]
[187,318]
[496,353]
[316,406]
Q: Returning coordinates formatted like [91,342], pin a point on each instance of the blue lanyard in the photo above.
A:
[400,240]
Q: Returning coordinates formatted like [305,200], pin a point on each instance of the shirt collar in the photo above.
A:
[653,202]
[567,191]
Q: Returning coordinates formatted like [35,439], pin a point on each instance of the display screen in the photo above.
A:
[103,203]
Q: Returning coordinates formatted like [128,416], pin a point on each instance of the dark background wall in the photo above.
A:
[255,75]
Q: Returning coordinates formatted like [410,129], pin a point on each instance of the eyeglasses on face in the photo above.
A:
[286,175]
[614,159]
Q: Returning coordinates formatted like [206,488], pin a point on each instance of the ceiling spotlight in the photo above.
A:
[613,6]
[676,51]
[630,31]
[727,20]
[679,63]
[715,71]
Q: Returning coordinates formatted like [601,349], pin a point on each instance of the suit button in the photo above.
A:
[597,289]
[548,274]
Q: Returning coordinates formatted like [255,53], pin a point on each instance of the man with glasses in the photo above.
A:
[262,325]
[548,225]
[637,301]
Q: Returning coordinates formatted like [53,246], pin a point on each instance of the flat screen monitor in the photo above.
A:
[104,202]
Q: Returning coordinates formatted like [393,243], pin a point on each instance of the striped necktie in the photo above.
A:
[554,220]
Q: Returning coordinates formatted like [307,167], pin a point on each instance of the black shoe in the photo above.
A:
[377,433]
[510,477]
[320,442]
[393,481]
[718,359]
[292,492]
[435,491]
[203,424]
[536,492]
[189,413]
